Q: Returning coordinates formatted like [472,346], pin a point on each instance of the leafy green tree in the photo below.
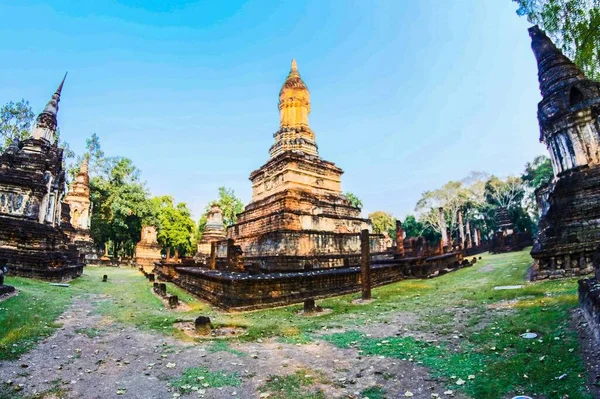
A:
[354,200]
[15,122]
[509,194]
[201,226]
[412,227]
[452,197]
[538,173]
[383,222]
[175,224]
[230,205]
[574,26]
[120,204]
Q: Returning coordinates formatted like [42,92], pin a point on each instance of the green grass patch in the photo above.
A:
[196,378]
[300,385]
[223,346]
[88,331]
[375,392]
[30,316]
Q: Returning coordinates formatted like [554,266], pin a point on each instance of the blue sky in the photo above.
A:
[406,95]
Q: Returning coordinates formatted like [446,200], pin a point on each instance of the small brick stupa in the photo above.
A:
[569,227]
[33,242]
[148,250]
[80,206]
[214,231]
[298,217]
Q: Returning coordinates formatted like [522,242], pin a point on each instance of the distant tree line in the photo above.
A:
[479,197]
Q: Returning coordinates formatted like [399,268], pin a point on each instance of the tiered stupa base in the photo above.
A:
[37,250]
[284,232]
[570,229]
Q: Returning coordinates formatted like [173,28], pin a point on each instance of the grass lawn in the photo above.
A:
[479,350]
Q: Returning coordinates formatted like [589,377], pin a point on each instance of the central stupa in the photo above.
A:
[298,218]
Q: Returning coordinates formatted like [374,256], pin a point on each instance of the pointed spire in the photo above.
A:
[59,90]
[294,70]
[45,124]
[85,165]
[52,106]
[555,70]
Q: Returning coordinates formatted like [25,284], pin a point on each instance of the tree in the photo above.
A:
[354,200]
[412,227]
[504,193]
[15,122]
[452,197]
[383,222]
[201,226]
[120,204]
[573,25]
[510,195]
[230,205]
[175,224]
[538,173]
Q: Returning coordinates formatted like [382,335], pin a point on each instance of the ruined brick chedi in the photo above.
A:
[148,250]
[298,217]
[32,214]
[569,227]
[213,232]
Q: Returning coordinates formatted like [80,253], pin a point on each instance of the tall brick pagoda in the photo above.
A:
[32,187]
[569,227]
[298,217]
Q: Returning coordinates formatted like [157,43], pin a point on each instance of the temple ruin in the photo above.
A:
[569,228]
[299,238]
[33,216]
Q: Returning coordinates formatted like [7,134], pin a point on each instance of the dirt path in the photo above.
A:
[91,357]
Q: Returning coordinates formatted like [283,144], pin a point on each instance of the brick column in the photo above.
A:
[365,264]
[213,256]
[399,238]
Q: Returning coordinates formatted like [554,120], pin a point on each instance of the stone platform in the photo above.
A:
[245,291]
[38,250]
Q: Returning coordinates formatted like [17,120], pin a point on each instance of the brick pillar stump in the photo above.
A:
[162,289]
[309,305]
[213,256]
[173,301]
[365,264]
[202,325]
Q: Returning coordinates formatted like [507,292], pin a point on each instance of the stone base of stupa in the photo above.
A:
[37,250]
[569,230]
